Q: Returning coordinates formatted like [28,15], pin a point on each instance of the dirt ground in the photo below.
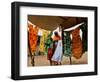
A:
[42,60]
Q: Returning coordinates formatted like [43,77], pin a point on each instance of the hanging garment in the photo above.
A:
[57,56]
[76,44]
[84,36]
[42,40]
[33,38]
[67,43]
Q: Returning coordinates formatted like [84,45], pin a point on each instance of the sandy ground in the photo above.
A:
[42,60]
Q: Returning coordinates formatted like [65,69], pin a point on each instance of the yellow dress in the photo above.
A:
[43,38]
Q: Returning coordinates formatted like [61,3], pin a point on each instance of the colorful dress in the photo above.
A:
[33,37]
[42,40]
[76,44]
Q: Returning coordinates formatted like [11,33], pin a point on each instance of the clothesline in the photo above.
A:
[74,27]
[68,29]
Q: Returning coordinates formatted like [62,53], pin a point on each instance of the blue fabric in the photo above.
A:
[57,56]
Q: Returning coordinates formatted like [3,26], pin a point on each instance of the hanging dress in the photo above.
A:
[67,43]
[42,40]
[76,44]
[33,37]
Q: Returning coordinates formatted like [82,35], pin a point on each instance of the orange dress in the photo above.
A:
[33,37]
[76,44]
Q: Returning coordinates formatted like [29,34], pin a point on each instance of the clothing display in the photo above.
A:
[67,43]
[59,46]
[76,44]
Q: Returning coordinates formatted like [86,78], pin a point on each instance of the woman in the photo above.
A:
[57,49]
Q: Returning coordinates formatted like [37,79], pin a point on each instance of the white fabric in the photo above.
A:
[31,24]
[57,56]
[74,27]
[81,34]
[40,33]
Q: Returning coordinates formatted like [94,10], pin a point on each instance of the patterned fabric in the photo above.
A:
[76,44]
[42,40]
[33,37]
[67,44]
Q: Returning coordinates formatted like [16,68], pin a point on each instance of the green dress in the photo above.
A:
[67,44]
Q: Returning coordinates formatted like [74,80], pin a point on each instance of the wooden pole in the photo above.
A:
[70,60]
